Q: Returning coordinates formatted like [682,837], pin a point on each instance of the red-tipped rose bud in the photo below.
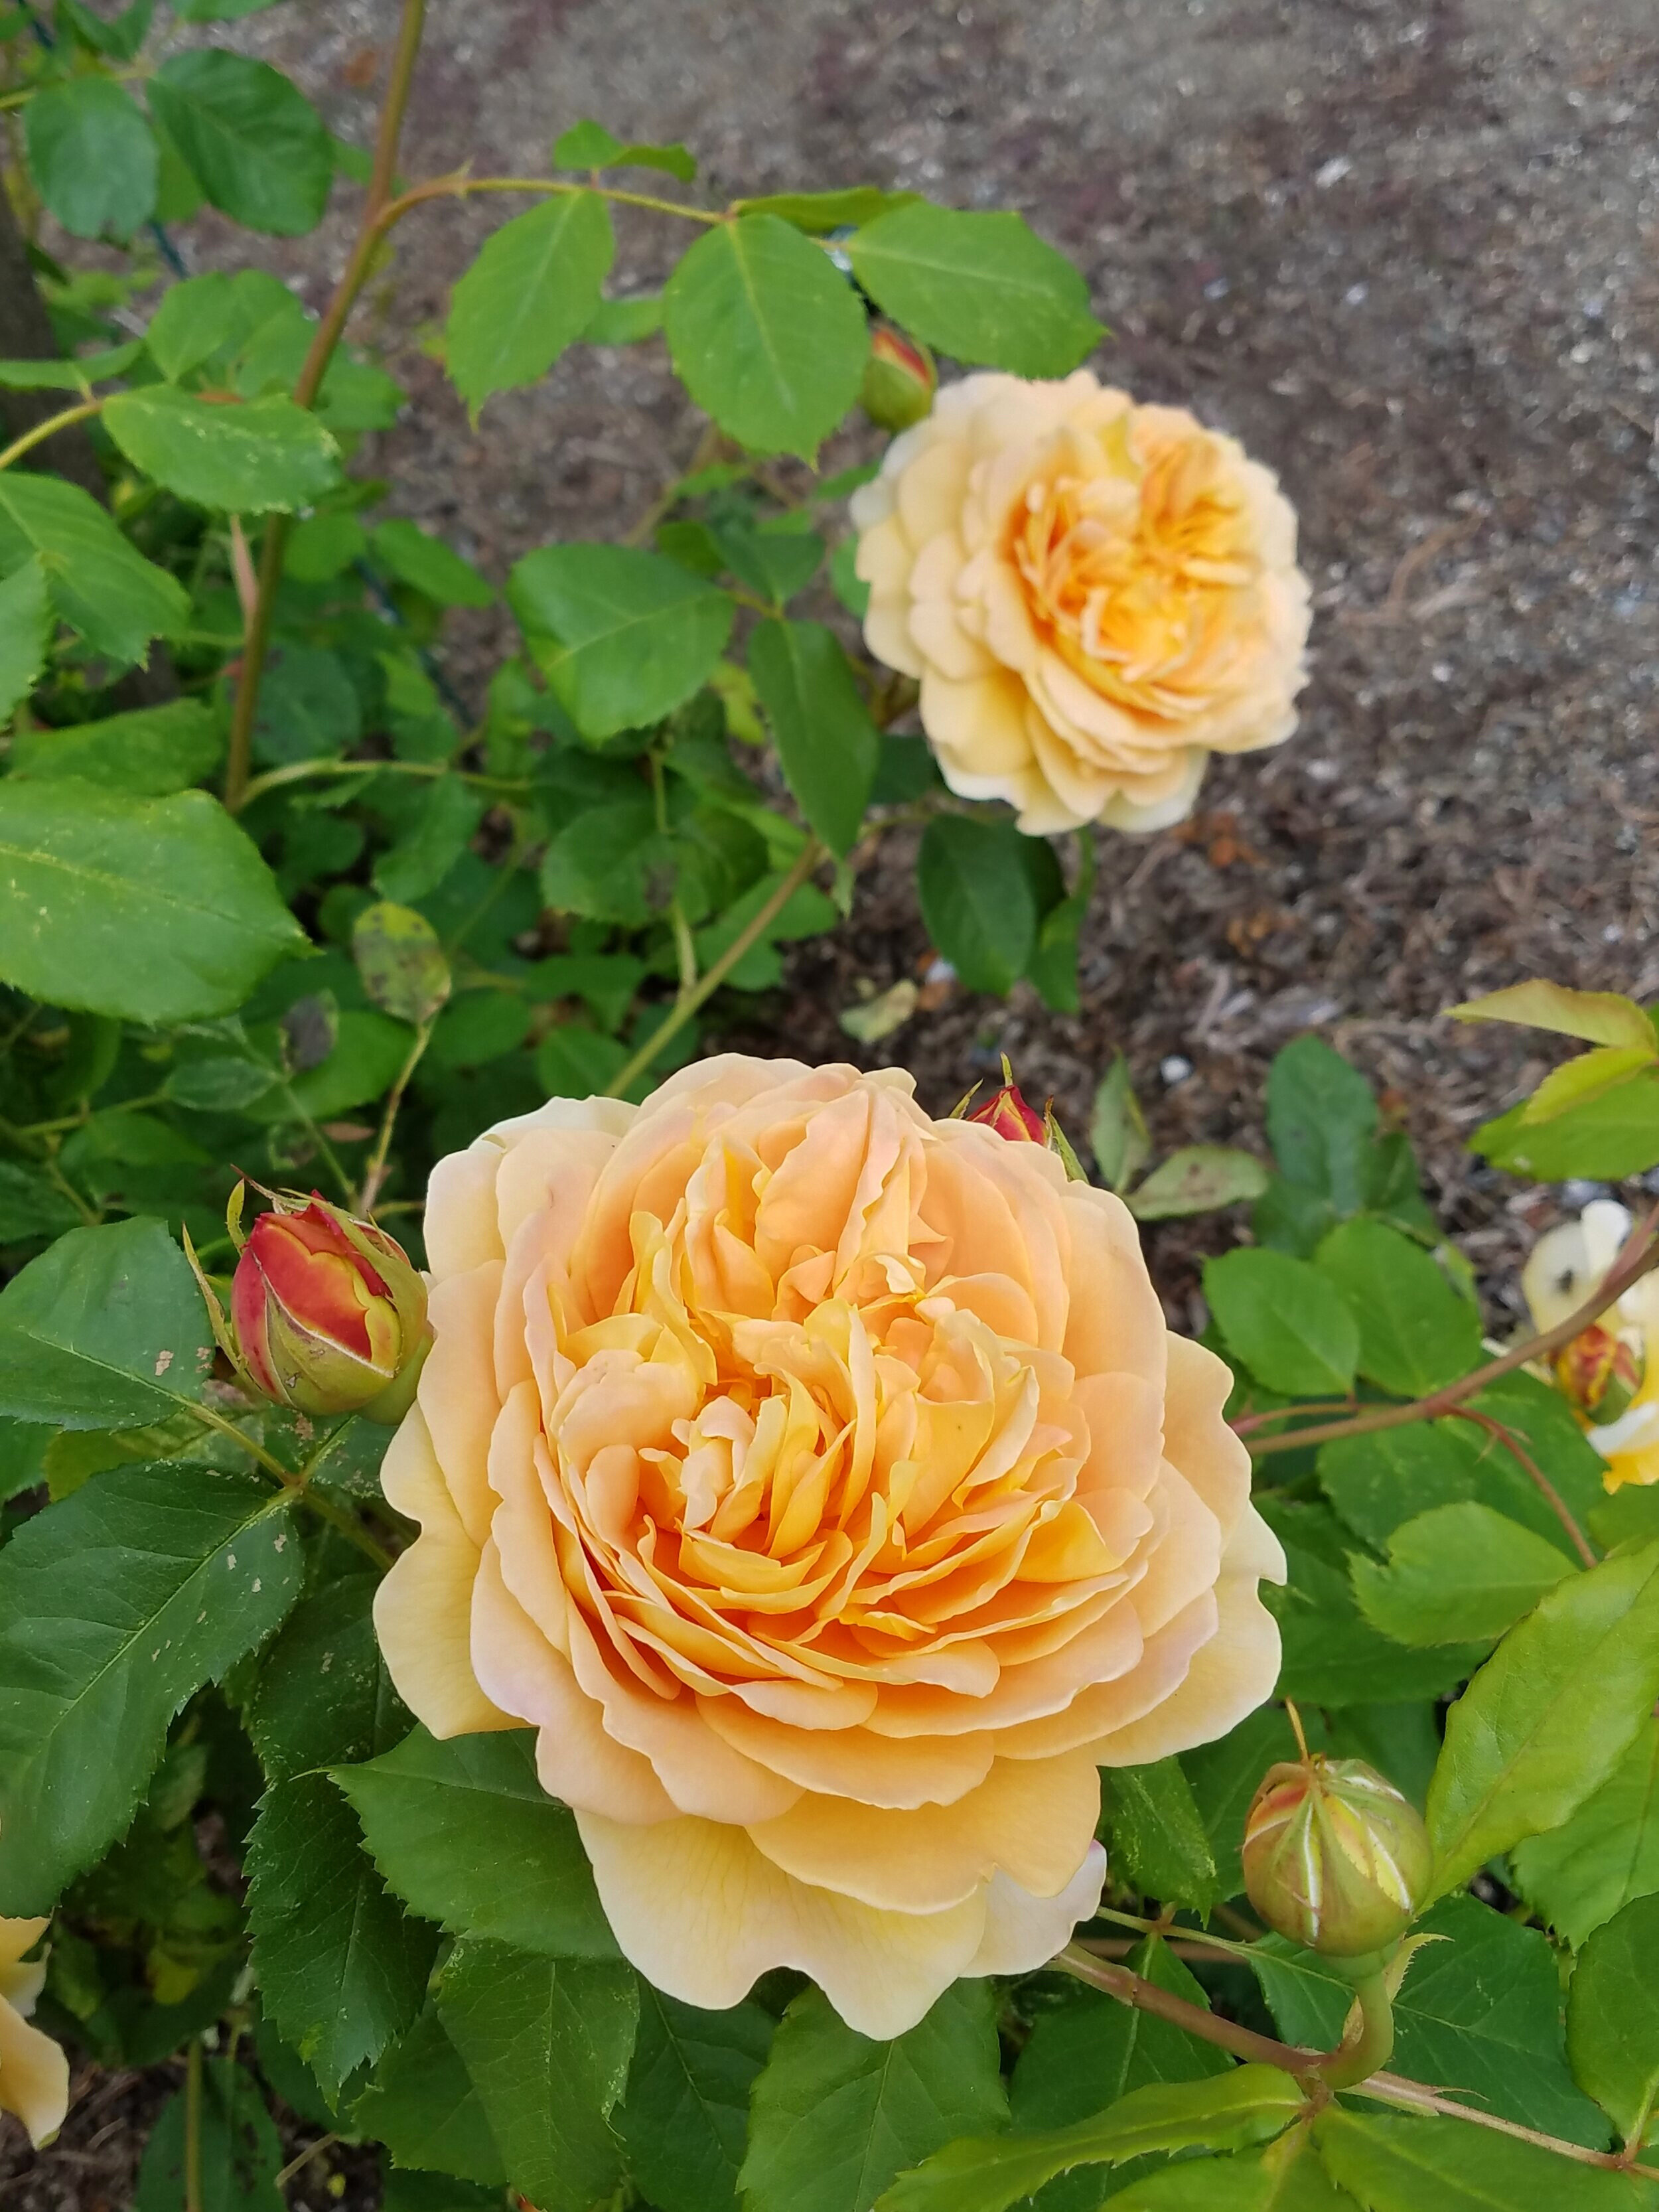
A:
[328,1311]
[1334,1857]
[899,380]
[1601,1370]
[1007,1113]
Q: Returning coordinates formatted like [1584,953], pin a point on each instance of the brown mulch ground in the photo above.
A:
[1404,250]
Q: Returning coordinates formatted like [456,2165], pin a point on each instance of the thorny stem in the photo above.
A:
[376,209]
[717,971]
[1385,2089]
[1551,1495]
[62,421]
[1641,1254]
[375,1173]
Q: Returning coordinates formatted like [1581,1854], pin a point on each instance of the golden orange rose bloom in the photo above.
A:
[1095,595]
[821,1482]
[34,2071]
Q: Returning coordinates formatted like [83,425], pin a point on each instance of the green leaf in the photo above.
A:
[153,910]
[828,746]
[835,2116]
[624,636]
[532,289]
[257,146]
[982,287]
[1197,1179]
[1416,1331]
[148,753]
[1279,1316]
[1480,2012]
[238,2147]
[342,1972]
[1603,1017]
[115,598]
[1578,1081]
[547,2043]
[92,155]
[1053,964]
[1117,1128]
[1332,1654]
[421,2105]
[72,376]
[766,335]
[1613,1135]
[440,1820]
[776,563]
[255,456]
[322,547]
[429,565]
[1285,2178]
[435,2192]
[368,1051]
[1446,2166]
[1158,1842]
[1227,2111]
[322,1693]
[1378,1482]
[117,36]
[401,961]
[30,1205]
[1580,1873]
[106,1330]
[588,145]
[308,707]
[685,2118]
[434,837]
[193,320]
[1321,1118]
[624,322]
[976,899]
[25,630]
[819,213]
[1613,2017]
[115,1606]
[1549,1715]
[1458,1574]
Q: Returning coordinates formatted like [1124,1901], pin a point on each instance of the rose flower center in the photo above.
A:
[1138,573]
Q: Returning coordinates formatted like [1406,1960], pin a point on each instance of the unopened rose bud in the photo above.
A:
[1007,1113]
[1600,1372]
[899,380]
[328,1312]
[1334,1857]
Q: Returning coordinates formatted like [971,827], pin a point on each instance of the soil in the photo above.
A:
[1404,249]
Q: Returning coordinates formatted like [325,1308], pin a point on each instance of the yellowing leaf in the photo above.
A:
[1602,1068]
[1598,1016]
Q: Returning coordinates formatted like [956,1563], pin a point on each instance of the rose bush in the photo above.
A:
[823,1484]
[1096,595]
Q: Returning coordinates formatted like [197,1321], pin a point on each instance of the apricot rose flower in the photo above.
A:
[821,1483]
[1095,595]
[34,2071]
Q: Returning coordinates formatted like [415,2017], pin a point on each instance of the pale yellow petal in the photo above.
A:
[702,1914]
[422,1609]
[34,2077]
[1023,1932]
[1031,1819]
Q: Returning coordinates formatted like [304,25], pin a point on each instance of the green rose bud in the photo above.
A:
[1334,1857]
[899,380]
